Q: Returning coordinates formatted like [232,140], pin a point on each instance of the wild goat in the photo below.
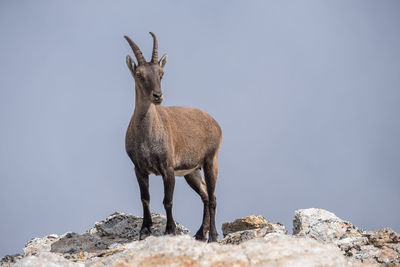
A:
[170,141]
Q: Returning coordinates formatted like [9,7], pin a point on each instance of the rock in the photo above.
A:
[76,243]
[40,244]
[124,226]
[104,239]
[286,250]
[9,260]
[387,255]
[320,239]
[249,223]
[241,236]
[380,246]
[275,250]
[118,228]
[323,225]
[395,247]
[47,259]
[366,254]
[382,237]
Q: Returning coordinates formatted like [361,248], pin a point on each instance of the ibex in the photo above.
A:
[170,141]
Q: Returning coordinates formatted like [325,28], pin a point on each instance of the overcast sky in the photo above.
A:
[307,94]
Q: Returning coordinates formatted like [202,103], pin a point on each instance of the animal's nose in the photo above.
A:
[157,95]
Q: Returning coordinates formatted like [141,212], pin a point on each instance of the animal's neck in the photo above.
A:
[145,113]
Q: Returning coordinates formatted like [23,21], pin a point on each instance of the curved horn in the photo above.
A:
[136,51]
[154,57]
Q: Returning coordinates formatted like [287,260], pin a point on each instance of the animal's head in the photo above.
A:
[147,75]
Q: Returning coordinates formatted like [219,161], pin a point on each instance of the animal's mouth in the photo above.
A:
[157,101]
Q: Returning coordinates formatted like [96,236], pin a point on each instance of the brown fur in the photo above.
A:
[171,141]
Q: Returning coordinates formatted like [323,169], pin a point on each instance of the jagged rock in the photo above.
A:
[323,225]
[73,243]
[320,239]
[241,236]
[382,237]
[10,260]
[275,250]
[380,246]
[124,226]
[47,259]
[118,228]
[104,239]
[40,244]
[249,223]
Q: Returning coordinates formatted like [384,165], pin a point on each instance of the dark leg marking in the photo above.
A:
[169,185]
[211,175]
[143,180]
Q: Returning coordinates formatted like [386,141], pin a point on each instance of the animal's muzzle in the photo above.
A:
[157,98]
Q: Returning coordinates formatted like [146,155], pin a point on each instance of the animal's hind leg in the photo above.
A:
[196,182]
[211,175]
[143,180]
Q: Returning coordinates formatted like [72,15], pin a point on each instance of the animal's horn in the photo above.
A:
[154,57]
[136,51]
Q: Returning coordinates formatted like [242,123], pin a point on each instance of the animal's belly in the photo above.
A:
[179,172]
[184,172]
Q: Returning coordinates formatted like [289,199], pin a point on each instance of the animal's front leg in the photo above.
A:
[169,185]
[143,180]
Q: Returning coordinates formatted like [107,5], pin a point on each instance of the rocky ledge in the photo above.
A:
[319,238]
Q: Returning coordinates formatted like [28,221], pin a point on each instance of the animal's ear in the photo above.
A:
[163,61]
[131,64]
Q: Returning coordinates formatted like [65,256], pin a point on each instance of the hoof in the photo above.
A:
[170,231]
[200,235]
[212,238]
[144,232]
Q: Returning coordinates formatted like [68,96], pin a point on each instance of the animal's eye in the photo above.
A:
[161,75]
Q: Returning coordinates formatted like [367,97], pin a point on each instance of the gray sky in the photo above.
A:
[307,94]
